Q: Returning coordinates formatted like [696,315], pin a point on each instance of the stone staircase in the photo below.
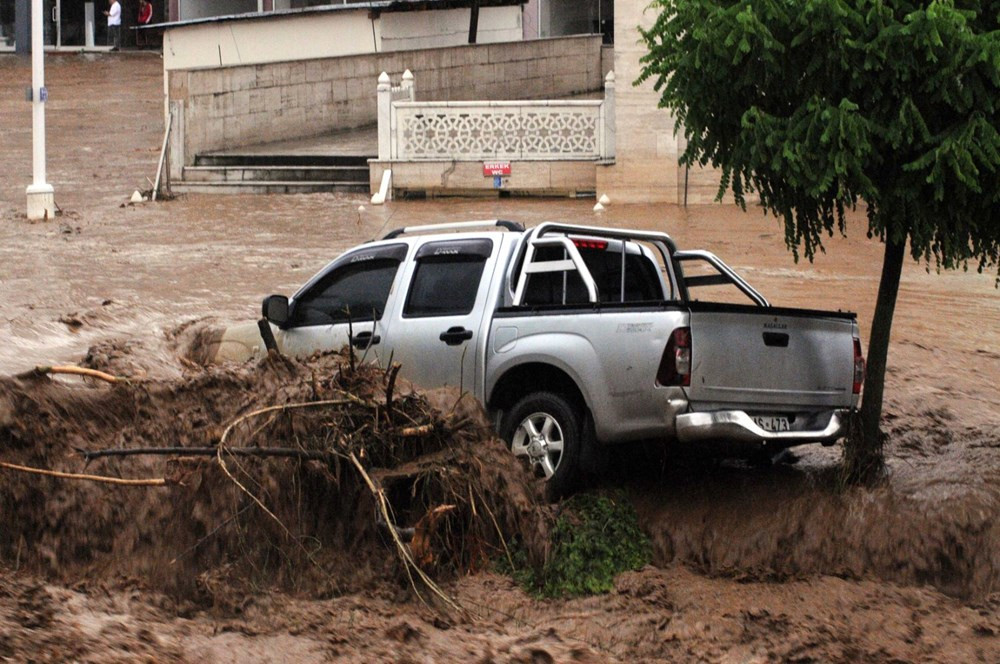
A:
[256,173]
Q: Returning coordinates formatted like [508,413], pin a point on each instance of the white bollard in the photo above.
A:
[385,190]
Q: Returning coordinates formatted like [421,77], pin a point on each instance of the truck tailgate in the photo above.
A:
[746,356]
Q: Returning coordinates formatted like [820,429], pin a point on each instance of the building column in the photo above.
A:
[383,93]
[22,27]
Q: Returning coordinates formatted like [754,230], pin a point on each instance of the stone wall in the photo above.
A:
[229,107]
[645,168]
[560,177]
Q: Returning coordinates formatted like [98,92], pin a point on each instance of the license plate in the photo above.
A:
[768,423]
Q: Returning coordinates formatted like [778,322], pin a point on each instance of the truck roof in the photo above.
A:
[511,226]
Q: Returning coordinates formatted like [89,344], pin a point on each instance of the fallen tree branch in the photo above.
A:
[225,469]
[414,432]
[262,506]
[420,544]
[287,406]
[76,371]
[155,481]
[404,551]
[291,452]
[390,386]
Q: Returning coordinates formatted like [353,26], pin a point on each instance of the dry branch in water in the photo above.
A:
[74,371]
[281,452]
[404,551]
[153,481]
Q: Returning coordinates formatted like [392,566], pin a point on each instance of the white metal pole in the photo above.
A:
[88,22]
[41,195]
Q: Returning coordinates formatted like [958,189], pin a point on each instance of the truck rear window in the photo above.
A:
[641,279]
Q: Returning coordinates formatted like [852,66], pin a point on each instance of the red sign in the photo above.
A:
[491,168]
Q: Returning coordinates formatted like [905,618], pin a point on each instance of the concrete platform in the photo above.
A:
[361,142]
[336,161]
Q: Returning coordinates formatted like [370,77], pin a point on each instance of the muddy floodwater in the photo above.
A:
[751,564]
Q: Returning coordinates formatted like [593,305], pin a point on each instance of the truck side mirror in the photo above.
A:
[275,309]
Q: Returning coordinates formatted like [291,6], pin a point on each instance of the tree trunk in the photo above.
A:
[863,458]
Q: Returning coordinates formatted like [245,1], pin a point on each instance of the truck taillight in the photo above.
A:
[675,365]
[859,366]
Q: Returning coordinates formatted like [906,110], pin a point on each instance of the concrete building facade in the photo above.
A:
[231,106]
[327,32]
[646,168]
[235,80]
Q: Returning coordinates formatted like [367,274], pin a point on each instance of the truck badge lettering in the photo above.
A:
[775,326]
[446,252]
[362,257]
[634,328]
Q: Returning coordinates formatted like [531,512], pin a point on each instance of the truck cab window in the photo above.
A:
[354,291]
[446,278]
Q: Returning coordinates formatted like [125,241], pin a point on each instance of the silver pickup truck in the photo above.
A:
[578,337]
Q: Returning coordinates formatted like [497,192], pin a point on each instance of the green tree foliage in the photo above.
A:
[817,105]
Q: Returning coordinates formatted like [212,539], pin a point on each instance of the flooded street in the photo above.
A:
[751,564]
[102,270]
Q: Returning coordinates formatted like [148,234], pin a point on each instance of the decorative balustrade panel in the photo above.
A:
[497,130]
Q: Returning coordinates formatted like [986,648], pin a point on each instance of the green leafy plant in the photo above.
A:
[595,538]
[818,105]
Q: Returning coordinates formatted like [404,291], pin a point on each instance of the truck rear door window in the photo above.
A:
[446,278]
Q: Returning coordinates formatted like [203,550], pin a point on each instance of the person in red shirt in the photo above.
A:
[145,16]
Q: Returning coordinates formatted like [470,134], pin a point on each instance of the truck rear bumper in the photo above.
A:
[737,426]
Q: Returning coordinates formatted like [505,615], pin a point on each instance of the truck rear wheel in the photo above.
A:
[544,428]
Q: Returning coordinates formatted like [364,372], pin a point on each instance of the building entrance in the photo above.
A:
[64,23]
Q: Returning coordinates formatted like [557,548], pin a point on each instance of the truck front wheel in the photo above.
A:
[544,428]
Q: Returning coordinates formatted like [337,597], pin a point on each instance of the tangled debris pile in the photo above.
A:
[309,476]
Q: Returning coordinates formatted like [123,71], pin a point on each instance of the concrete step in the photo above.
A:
[256,159]
[271,172]
[268,187]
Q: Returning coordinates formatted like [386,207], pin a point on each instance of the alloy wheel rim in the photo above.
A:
[539,440]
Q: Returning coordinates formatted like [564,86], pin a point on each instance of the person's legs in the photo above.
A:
[118,37]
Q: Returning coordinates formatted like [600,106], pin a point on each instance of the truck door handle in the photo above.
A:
[455,335]
[365,339]
[777,339]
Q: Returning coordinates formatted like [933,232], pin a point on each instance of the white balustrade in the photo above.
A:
[405,91]
[472,130]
